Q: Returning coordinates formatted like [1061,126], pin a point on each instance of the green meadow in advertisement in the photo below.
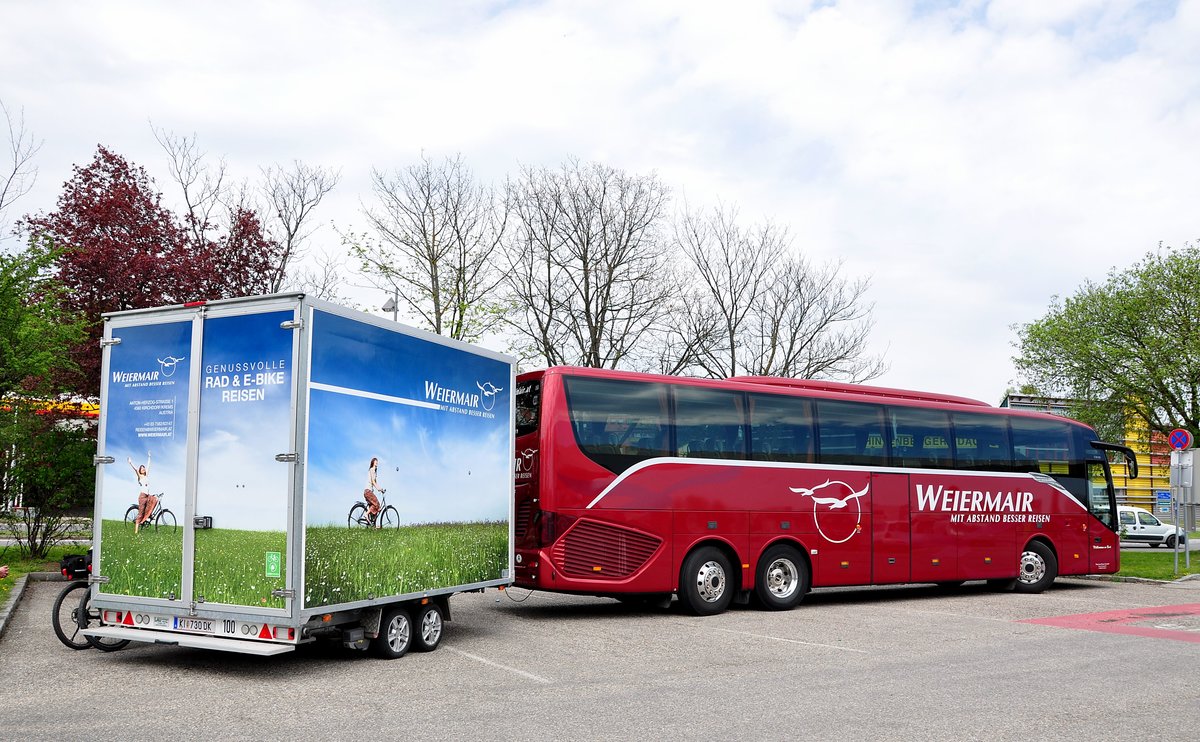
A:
[408,468]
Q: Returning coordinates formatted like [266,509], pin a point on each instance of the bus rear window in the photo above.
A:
[529,404]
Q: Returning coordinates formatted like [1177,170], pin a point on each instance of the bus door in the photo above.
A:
[891,544]
[246,439]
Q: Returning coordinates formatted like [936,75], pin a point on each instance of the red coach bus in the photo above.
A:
[638,486]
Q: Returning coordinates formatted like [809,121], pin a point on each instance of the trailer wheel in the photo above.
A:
[782,578]
[706,582]
[429,628]
[395,634]
[1038,568]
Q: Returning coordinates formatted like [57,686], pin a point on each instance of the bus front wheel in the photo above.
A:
[706,584]
[1039,567]
[782,578]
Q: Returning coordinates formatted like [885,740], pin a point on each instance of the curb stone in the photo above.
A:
[18,592]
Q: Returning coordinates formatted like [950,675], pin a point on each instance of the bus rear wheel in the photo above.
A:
[1038,566]
[706,582]
[782,578]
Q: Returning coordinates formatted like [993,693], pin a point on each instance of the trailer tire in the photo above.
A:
[395,634]
[1039,567]
[706,582]
[429,626]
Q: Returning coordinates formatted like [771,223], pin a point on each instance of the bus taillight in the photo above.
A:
[551,526]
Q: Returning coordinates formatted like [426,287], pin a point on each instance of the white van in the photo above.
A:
[1140,526]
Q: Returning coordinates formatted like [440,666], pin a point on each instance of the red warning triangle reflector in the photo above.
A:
[265,633]
[128,620]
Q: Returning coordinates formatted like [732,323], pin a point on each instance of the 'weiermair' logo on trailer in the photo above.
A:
[830,502]
[490,391]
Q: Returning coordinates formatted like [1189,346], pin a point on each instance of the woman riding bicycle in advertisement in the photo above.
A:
[146,501]
[369,492]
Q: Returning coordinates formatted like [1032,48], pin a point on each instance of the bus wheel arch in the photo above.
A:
[783,576]
[709,578]
[1038,565]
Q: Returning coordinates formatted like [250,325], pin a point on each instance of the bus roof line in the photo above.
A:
[818,385]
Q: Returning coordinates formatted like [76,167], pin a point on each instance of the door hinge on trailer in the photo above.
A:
[103,460]
[283,593]
[286,458]
[291,324]
[105,342]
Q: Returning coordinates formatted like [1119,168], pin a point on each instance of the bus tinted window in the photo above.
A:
[618,423]
[850,433]
[1043,445]
[981,442]
[528,406]
[781,428]
[921,438]
[710,423]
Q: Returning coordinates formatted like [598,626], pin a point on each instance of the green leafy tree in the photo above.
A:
[45,457]
[1127,348]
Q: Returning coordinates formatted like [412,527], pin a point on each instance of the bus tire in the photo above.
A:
[1039,567]
[782,578]
[395,634]
[706,584]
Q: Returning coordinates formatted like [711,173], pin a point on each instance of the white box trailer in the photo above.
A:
[246,431]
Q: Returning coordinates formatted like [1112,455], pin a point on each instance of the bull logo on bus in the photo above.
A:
[828,502]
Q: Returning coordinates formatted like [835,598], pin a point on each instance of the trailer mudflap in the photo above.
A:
[150,636]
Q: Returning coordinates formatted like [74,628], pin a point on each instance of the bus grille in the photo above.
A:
[603,551]
[524,515]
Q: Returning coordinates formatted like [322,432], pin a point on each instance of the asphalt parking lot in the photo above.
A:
[900,663]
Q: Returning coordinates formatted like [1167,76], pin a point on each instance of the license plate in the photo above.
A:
[203,625]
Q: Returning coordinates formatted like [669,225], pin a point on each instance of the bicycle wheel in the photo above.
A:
[87,616]
[166,521]
[389,518]
[131,515]
[65,619]
[357,516]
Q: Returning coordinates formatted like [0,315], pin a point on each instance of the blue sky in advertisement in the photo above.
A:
[245,414]
[145,414]
[442,440]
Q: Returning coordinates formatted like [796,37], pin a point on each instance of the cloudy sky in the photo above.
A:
[973,159]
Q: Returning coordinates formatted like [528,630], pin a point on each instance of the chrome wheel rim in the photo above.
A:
[710,582]
[1033,568]
[782,578]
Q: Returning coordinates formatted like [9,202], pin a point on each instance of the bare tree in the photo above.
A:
[587,266]
[293,195]
[735,267]
[207,194]
[321,274]
[19,173]
[811,323]
[435,231]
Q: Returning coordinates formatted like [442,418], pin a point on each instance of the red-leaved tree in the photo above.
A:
[122,249]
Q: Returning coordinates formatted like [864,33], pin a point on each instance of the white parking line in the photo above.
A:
[497,665]
[794,641]
[961,615]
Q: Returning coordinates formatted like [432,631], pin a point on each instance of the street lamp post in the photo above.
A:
[391,305]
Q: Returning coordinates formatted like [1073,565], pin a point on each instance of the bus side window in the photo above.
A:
[781,428]
[710,423]
[981,442]
[850,433]
[921,438]
[618,423]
